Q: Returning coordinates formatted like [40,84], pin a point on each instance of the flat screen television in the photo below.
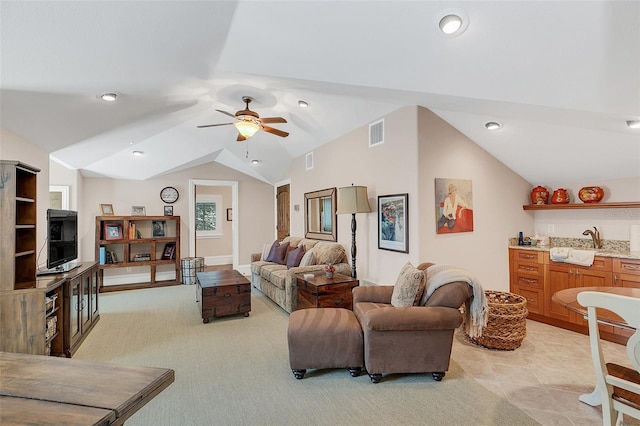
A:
[62,239]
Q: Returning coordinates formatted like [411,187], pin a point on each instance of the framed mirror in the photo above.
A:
[320,215]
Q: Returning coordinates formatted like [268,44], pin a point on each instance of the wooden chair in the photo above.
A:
[619,385]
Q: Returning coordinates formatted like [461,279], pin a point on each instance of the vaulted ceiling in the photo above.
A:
[562,77]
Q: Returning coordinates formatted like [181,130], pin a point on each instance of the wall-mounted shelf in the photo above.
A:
[625,205]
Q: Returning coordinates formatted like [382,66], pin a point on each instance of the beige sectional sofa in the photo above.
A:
[278,282]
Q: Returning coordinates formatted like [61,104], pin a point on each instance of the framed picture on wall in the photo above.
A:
[454,206]
[393,222]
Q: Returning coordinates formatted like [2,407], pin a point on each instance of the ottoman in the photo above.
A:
[324,338]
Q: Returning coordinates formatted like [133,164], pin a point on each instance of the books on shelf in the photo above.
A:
[142,257]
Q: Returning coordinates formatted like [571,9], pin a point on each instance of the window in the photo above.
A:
[208,208]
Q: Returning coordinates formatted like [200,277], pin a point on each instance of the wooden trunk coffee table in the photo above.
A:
[222,293]
[322,292]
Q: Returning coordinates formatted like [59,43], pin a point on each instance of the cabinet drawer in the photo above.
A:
[534,299]
[226,291]
[529,256]
[627,266]
[525,268]
[536,281]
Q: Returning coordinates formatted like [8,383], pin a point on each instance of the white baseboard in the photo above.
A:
[218,260]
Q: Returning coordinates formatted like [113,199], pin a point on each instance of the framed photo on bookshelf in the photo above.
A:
[168,210]
[106,210]
[112,231]
[159,228]
[169,251]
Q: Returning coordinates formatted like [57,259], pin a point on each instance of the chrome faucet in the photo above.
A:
[595,236]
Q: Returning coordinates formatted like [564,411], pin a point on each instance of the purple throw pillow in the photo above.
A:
[295,256]
[278,253]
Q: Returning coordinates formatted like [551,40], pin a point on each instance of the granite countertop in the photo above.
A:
[610,248]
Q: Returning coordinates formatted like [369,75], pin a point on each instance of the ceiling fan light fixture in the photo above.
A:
[247,128]
[109,97]
[633,124]
[492,125]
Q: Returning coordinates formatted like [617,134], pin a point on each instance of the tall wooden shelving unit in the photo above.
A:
[137,238]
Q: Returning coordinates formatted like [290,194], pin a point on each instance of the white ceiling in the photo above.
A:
[562,77]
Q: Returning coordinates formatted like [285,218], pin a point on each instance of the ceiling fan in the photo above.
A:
[248,122]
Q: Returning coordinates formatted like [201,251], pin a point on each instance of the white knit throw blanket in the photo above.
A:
[477,311]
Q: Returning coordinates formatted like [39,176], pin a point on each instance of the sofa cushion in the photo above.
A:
[293,241]
[257,265]
[308,259]
[266,270]
[278,252]
[294,256]
[409,286]
[328,253]
[307,243]
[279,278]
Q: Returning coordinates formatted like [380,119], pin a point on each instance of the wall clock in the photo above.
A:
[169,194]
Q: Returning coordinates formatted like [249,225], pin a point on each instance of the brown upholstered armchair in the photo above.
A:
[416,339]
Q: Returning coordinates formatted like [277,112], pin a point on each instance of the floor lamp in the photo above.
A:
[353,199]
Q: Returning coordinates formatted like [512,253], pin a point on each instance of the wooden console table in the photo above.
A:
[41,389]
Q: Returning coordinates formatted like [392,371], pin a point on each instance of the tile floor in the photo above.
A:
[544,376]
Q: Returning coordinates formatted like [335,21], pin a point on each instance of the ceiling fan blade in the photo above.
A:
[275,131]
[241,138]
[273,120]
[213,125]
[226,113]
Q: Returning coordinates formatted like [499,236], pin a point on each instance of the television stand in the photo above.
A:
[59,269]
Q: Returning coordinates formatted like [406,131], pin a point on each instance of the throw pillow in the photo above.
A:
[409,286]
[294,256]
[308,259]
[266,249]
[278,253]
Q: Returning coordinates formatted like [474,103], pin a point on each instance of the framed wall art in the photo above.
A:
[454,206]
[393,222]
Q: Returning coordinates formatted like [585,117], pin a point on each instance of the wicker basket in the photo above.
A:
[507,324]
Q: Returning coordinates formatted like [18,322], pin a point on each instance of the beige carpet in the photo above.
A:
[235,371]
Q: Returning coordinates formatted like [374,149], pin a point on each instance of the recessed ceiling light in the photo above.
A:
[255,161]
[303,104]
[138,153]
[109,97]
[451,22]
[633,124]
[492,125]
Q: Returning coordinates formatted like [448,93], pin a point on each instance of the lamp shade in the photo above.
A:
[353,199]
[247,128]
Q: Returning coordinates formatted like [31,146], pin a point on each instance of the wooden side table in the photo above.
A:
[323,292]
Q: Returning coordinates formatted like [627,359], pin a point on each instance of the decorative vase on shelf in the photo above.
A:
[539,195]
[560,196]
[591,194]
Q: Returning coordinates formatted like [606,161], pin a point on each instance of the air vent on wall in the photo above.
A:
[376,133]
[309,161]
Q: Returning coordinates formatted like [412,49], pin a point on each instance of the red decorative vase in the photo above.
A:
[591,194]
[560,196]
[539,195]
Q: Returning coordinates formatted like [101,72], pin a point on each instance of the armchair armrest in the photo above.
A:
[414,318]
[372,293]
[255,256]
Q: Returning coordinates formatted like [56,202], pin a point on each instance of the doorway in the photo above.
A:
[234,214]
[283,220]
